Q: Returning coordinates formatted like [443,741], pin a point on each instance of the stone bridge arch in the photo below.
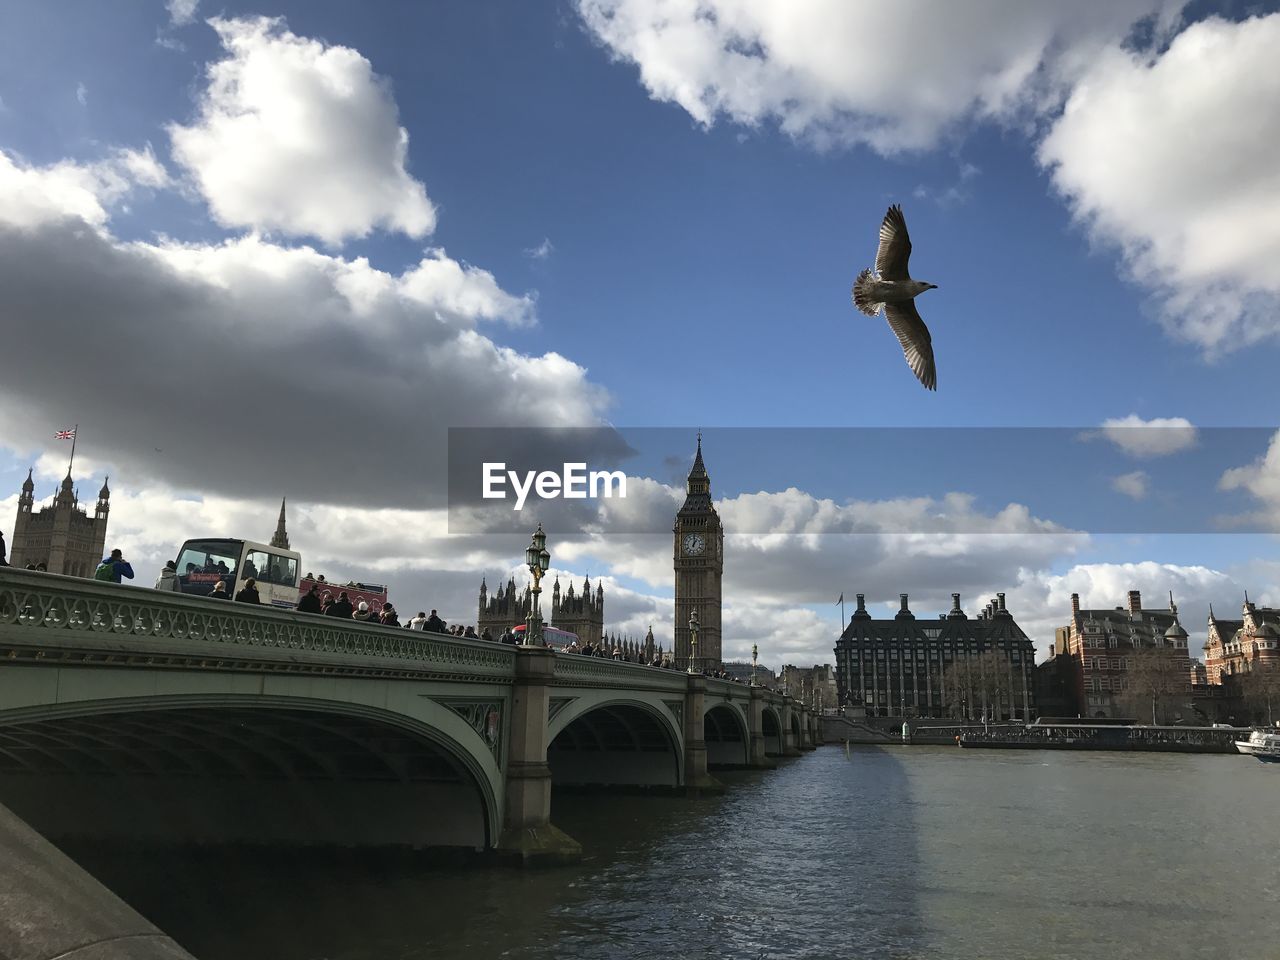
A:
[286,768]
[727,733]
[615,738]
[771,731]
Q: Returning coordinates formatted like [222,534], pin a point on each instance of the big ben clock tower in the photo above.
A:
[699,569]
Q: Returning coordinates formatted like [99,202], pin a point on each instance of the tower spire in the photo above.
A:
[281,537]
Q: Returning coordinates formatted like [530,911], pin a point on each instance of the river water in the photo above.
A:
[898,852]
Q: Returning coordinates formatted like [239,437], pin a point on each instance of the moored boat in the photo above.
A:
[1263,744]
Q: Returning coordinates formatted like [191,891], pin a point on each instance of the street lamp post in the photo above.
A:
[693,641]
[755,655]
[539,561]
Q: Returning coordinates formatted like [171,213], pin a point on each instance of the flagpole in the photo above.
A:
[74,431]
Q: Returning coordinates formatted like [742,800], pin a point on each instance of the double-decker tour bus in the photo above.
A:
[202,563]
[374,594]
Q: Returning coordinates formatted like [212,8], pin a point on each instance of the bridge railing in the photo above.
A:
[578,670]
[48,617]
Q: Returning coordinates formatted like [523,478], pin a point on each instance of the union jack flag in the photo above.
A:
[65,435]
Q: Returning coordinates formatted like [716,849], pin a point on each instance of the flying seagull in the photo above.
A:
[892,288]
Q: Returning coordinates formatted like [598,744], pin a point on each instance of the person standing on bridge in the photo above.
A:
[249,592]
[341,607]
[3,561]
[114,567]
[168,579]
[219,591]
[435,624]
[310,602]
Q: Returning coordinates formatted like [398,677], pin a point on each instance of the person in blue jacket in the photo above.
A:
[114,567]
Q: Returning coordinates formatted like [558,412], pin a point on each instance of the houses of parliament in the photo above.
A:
[698,566]
[61,535]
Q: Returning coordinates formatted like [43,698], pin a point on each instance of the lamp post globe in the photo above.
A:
[538,559]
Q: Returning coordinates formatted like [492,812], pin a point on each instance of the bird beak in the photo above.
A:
[933,286]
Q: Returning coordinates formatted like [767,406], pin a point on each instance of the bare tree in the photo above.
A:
[1261,689]
[995,682]
[1156,678]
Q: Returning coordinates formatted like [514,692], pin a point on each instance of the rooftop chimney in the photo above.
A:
[1135,601]
[904,612]
[1000,601]
[955,601]
[1075,605]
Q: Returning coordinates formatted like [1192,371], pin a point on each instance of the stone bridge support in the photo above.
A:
[528,835]
[806,731]
[755,714]
[790,740]
[696,778]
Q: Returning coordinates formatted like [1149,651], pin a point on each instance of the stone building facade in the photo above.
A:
[580,612]
[60,535]
[899,666]
[698,559]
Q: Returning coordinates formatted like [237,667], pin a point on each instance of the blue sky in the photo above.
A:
[680,224]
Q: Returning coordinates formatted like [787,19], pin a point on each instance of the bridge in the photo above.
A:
[134,714]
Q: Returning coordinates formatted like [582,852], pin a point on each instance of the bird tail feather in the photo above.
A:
[862,297]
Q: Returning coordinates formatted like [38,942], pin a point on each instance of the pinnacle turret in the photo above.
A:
[280,538]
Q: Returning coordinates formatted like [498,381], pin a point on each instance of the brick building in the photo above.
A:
[1235,647]
[1101,646]
[898,666]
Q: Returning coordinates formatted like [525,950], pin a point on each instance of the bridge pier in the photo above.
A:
[806,730]
[790,743]
[696,778]
[528,836]
[755,715]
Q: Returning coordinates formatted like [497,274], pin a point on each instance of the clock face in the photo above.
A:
[694,544]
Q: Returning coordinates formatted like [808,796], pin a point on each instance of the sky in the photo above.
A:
[258,250]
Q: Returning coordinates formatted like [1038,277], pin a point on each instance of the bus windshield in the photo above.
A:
[203,563]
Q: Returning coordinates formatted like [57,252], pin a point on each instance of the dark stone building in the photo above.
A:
[581,613]
[61,535]
[903,666]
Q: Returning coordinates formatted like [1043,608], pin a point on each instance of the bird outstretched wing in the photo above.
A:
[895,246]
[917,345]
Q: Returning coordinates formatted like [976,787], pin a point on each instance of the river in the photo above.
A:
[899,852]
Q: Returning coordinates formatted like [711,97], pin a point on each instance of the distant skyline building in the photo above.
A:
[904,667]
[578,612]
[60,535]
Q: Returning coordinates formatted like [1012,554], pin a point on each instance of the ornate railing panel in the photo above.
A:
[573,669]
[54,618]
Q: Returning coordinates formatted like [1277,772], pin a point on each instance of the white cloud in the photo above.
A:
[265,369]
[1171,160]
[542,251]
[36,195]
[1261,479]
[892,76]
[1157,437]
[82,94]
[181,12]
[296,136]
[1133,484]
